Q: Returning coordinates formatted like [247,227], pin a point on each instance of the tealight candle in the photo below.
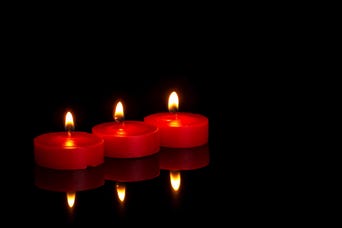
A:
[179,129]
[127,138]
[68,150]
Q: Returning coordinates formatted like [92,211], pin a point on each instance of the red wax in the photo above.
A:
[180,129]
[69,151]
[128,139]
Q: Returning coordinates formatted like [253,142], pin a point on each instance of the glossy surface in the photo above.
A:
[245,184]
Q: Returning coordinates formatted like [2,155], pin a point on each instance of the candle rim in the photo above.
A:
[149,129]
[53,139]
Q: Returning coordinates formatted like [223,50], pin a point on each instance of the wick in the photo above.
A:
[119,119]
[69,128]
[174,111]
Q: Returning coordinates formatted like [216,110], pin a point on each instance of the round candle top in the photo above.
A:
[67,140]
[128,128]
[178,119]
[180,129]
[69,149]
[127,139]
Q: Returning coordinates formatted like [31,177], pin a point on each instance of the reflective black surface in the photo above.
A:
[229,180]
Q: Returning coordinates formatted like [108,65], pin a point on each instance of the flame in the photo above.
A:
[173,102]
[69,122]
[69,126]
[175,180]
[119,112]
[71,196]
[121,191]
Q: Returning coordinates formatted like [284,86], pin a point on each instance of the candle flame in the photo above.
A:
[121,191]
[175,180]
[71,196]
[69,122]
[173,102]
[119,112]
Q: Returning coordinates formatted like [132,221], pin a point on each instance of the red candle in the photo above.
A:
[68,150]
[127,139]
[180,129]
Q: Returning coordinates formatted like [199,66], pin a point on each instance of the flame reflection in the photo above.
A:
[123,170]
[175,180]
[71,197]
[121,191]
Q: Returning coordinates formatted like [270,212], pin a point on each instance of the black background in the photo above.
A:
[233,71]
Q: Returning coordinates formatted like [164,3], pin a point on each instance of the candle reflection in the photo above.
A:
[122,171]
[177,160]
[121,191]
[68,181]
[71,197]
[175,179]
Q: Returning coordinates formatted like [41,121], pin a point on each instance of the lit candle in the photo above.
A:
[68,150]
[179,129]
[127,138]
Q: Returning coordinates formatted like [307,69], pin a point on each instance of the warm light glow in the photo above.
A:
[71,196]
[175,179]
[69,122]
[174,123]
[69,142]
[121,191]
[173,102]
[119,112]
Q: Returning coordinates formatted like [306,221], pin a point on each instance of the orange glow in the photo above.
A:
[174,123]
[119,112]
[121,191]
[173,102]
[69,122]
[71,196]
[69,142]
[175,179]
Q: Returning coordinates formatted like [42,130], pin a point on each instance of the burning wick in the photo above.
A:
[173,102]
[119,113]
[69,123]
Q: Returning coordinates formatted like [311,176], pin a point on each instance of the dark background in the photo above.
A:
[233,71]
